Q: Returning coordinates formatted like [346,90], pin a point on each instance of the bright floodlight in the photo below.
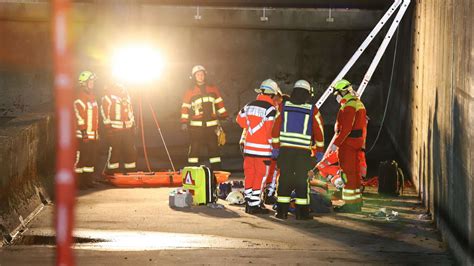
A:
[137,64]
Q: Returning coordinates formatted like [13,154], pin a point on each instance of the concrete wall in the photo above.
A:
[433,116]
[26,164]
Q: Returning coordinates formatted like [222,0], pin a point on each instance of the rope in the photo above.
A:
[388,96]
[140,111]
[161,135]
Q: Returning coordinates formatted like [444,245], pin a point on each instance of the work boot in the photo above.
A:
[247,207]
[302,212]
[282,210]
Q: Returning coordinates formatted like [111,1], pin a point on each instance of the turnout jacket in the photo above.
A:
[351,123]
[257,119]
[202,106]
[299,126]
[117,111]
[87,116]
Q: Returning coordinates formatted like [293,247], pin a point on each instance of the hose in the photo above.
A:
[388,96]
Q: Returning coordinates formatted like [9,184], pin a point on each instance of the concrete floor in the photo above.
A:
[136,226]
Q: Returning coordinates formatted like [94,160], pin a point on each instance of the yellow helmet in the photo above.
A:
[85,76]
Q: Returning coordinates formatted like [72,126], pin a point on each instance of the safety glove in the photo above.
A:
[275,153]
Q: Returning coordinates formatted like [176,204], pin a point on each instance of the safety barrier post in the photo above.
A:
[65,144]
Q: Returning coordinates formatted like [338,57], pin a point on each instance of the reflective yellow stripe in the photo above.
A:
[211,123]
[283,144]
[286,121]
[221,111]
[186,105]
[196,123]
[113,165]
[276,140]
[184,116]
[88,169]
[351,190]
[305,106]
[283,199]
[297,135]
[300,201]
[319,143]
[215,160]
[218,100]
[358,196]
[320,124]
[78,170]
[305,128]
[130,165]
[302,141]
[193,160]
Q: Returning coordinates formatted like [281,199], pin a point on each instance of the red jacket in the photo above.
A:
[117,111]
[202,107]
[87,116]
[351,123]
[257,118]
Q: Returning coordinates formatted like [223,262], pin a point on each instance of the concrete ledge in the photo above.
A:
[26,168]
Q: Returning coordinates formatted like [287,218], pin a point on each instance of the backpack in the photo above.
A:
[391,179]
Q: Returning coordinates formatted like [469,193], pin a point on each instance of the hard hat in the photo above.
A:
[196,69]
[85,76]
[235,197]
[341,85]
[269,86]
[303,84]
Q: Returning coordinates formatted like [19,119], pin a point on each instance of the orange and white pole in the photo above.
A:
[65,142]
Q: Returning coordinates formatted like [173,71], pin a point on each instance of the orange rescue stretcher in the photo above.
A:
[154,179]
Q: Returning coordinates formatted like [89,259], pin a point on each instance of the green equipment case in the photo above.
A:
[201,182]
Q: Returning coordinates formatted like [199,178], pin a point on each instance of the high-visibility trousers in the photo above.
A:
[294,165]
[122,151]
[272,178]
[256,170]
[350,164]
[203,146]
[86,156]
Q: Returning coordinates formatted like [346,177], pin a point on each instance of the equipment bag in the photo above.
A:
[390,178]
[201,182]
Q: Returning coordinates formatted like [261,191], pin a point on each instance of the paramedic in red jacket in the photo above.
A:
[257,118]
[119,121]
[202,107]
[351,130]
[87,122]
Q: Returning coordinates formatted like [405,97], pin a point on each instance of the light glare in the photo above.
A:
[137,64]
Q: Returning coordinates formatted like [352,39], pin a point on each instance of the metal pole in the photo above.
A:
[383,47]
[359,51]
[65,153]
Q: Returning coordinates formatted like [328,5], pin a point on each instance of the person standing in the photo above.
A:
[349,140]
[257,118]
[87,124]
[119,122]
[202,107]
[298,131]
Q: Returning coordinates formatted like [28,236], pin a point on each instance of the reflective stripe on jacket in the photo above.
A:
[87,115]
[351,123]
[117,111]
[202,107]
[257,118]
[299,126]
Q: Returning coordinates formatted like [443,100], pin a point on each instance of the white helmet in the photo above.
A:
[303,84]
[235,197]
[196,69]
[269,86]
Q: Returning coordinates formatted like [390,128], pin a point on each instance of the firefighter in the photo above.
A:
[349,140]
[257,118]
[298,131]
[119,121]
[202,107]
[87,122]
